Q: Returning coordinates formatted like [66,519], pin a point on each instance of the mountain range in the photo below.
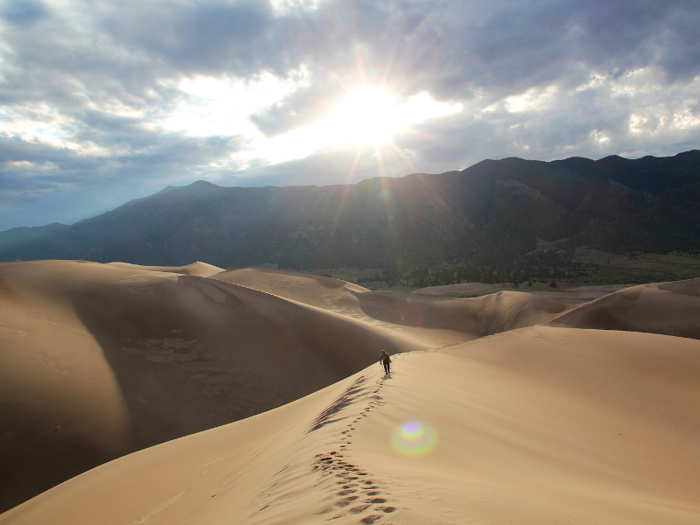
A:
[493,211]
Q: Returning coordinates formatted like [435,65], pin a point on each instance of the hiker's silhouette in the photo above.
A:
[386,361]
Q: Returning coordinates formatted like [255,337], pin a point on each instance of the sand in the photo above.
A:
[447,289]
[540,425]
[198,268]
[661,308]
[569,296]
[432,321]
[583,294]
[542,413]
[98,361]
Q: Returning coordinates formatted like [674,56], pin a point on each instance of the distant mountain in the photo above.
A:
[492,211]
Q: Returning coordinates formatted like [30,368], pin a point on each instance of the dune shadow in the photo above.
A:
[191,353]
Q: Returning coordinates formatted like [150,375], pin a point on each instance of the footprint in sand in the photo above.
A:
[349,476]
[345,502]
[52,362]
[13,331]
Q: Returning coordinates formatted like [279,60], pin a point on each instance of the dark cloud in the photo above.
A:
[197,37]
[23,12]
[38,181]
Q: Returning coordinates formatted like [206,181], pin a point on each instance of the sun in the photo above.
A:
[365,116]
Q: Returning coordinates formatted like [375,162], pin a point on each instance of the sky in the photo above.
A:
[102,102]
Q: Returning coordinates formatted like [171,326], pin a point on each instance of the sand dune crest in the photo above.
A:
[198,268]
[434,321]
[662,308]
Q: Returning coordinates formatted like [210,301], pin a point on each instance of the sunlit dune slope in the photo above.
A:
[98,361]
[535,426]
[323,292]
[198,268]
[433,321]
[662,308]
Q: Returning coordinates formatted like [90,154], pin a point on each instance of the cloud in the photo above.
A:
[108,96]
[304,106]
[38,181]
[23,12]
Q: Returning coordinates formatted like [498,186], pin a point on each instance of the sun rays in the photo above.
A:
[371,116]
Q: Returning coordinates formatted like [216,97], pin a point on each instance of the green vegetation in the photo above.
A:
[536,271]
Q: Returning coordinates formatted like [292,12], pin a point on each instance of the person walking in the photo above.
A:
[386,361]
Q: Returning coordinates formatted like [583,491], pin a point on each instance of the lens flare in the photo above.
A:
[414,438]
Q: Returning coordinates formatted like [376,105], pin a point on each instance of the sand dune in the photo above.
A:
[433,321]
[542,422]
[570,296]
[99,361]
[583,294]
[662,308]
[316,290]
[535,426]
[198,268]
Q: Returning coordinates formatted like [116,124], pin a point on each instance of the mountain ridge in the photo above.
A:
[494,210]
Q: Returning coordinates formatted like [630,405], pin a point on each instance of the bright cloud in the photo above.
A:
[532,100]
[215,106]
